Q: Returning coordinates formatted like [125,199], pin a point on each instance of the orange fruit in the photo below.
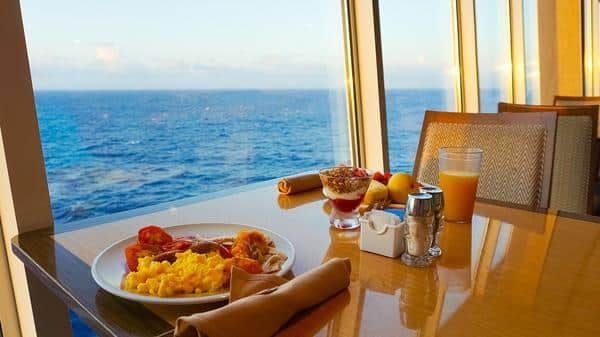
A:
[399,186]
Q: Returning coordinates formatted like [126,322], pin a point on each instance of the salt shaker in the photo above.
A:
[418,230]
[438,217]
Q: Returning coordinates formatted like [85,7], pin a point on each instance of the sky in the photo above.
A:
[228,44]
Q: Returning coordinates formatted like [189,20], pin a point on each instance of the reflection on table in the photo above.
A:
[494,275]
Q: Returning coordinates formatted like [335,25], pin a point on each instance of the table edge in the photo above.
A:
[64,294]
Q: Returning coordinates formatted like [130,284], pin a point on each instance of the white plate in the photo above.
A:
[109,266]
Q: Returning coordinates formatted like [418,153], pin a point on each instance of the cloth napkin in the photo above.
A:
[265,312]
[299,183]
[244,284]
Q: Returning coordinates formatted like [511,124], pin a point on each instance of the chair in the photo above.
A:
[518,152]
[575,154]
[578,101]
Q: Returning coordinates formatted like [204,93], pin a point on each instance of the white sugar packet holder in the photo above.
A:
[382,233]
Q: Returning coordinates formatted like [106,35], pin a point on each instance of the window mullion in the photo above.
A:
[25,202]
[466,53]
[517,46]
[352,87]
[595,54]
[368,120]
[590,47]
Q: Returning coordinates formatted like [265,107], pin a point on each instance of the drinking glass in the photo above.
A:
[459,174]
[345,187]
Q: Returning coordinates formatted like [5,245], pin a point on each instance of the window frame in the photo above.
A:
[24,193]
[517,51]
[591,47]
[368,121]
[511,43]
[23,179]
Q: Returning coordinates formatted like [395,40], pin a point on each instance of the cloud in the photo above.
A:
[104,66]
[109,57]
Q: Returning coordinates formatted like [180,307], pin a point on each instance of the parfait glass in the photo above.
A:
[345,187]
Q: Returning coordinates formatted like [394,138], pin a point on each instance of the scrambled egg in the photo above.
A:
[191,273]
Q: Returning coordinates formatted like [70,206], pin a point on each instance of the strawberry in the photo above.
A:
[358,172]
[382,177]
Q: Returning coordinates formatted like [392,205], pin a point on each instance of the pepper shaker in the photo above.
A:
[418,230]
[438,217]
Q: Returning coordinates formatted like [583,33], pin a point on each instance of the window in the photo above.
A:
[532,67]
[493,53]
[419,69]
[141,103]
[591,46]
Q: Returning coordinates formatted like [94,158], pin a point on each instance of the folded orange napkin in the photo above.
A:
[299,183]
[265,312]
[314,320]
[244,284]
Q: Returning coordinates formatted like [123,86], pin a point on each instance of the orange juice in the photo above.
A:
[460,189]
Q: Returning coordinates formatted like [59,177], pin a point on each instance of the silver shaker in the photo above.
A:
[438,223]
[418,228]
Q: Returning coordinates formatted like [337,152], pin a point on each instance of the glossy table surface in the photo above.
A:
[512,272]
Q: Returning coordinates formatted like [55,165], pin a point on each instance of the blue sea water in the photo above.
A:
[112,151]
[405,109]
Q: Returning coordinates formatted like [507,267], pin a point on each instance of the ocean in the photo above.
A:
[112,151]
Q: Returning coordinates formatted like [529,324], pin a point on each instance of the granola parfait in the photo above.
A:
[345,187]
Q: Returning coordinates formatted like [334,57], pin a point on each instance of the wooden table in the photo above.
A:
[513,272]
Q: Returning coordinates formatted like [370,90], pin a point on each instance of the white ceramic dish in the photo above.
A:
[109,267]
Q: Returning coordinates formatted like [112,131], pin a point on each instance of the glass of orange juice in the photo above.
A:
[459,174]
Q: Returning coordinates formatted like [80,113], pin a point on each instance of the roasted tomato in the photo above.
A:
[224,252]
[177,244]
[135,251]
[153,235]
